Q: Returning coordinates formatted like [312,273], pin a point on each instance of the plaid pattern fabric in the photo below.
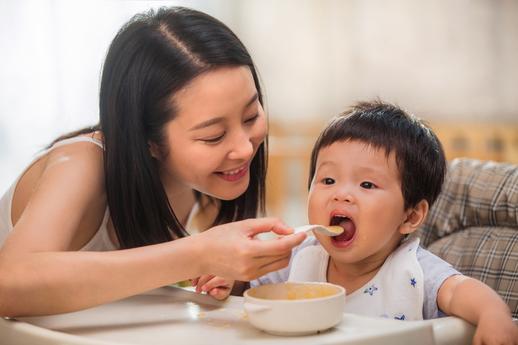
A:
[474,224]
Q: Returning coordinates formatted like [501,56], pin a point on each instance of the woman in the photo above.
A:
[105,212]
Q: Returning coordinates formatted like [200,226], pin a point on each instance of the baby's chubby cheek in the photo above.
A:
[316,215]
[311,209]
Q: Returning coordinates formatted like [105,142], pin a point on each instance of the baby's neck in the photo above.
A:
[353,276]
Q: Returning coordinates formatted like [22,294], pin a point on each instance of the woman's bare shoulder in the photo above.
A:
[78,155]
[78,166]
[68,180]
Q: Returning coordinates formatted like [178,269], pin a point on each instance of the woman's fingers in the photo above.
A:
[234,252]
[262,261]
[258,225]
[278,246]
[275,265]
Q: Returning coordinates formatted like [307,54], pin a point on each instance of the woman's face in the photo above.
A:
[216,133]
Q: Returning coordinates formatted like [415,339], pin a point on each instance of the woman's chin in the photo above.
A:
[229,191]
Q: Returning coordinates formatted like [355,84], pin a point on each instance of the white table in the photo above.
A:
[176,316]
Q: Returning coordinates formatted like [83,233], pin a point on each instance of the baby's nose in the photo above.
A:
[344,195]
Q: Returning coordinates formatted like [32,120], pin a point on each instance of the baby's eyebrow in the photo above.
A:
[366,167]
[370,169]
[324,163]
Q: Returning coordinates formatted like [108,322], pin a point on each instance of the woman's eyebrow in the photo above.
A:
[216,120]
[251,101]
[207,123]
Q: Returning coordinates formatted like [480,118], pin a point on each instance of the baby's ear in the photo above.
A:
[415,216]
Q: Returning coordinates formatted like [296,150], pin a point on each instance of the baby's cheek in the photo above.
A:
[315,212]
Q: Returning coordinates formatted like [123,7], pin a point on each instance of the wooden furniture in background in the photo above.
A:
[290,148]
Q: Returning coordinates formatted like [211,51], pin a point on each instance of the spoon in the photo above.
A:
[332,230]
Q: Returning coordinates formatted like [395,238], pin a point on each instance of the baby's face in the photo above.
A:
[359,188]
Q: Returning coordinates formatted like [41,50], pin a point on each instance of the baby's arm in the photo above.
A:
[217,287]
[478,304]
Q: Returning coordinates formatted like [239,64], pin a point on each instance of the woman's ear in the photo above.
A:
[154,150]
[415,216]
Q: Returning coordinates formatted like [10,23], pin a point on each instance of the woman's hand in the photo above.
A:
[217,287]
[231,250]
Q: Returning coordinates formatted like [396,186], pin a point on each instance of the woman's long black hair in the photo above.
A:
[153,56]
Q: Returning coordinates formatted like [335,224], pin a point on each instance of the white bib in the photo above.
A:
[396,291]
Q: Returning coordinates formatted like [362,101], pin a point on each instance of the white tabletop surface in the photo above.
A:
[177,316]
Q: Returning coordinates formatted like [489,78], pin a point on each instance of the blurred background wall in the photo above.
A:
[453,63]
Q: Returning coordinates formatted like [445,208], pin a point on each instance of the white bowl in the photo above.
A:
[295,308]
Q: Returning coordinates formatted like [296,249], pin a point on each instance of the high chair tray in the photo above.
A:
[178,316]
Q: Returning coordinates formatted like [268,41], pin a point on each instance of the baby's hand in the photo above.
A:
[217,287]
[496,329]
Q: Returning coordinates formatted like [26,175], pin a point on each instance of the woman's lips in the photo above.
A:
[233,175]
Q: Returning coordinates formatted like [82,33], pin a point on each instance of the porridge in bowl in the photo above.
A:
[295,308]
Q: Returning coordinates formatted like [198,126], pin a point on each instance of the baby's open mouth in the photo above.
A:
[347,224]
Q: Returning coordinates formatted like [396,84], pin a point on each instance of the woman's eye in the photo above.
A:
[328,180]
[252,119]
[214,140]
[367,185]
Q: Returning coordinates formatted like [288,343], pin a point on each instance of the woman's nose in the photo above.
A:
[242,147]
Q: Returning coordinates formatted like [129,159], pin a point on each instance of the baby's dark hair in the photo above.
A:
[419,153]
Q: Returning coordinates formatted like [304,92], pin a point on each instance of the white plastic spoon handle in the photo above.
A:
[306,228]
[328,231]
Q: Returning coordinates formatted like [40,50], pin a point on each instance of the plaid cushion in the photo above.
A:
[489,254]
[474,224]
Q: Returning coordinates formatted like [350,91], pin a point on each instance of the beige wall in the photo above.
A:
[451,62]
[441,59]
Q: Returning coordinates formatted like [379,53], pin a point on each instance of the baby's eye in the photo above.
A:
[367,185]
[328,180]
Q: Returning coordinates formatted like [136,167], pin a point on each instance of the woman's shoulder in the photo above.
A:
[61,194]
[79,159]
[81,150]
[72,168]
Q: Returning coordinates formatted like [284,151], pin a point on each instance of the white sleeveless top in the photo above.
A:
[101,240]
[396,291]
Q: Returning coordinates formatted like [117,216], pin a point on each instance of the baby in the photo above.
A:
[375,171]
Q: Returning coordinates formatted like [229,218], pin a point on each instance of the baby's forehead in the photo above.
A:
[365,152]
[369,148]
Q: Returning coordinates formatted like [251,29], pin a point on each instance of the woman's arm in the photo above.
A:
[40,273]
[478,304]
[40,270]
[39,283]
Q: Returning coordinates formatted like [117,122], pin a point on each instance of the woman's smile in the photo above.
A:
[235,174]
